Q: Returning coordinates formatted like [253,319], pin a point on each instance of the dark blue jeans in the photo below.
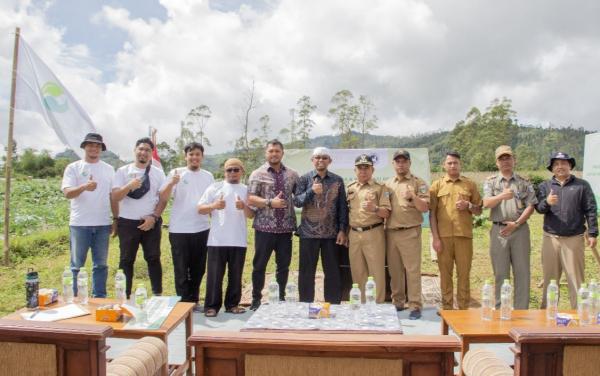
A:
[96,238]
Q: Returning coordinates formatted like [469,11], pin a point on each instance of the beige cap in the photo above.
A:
[233,162]
[503,150]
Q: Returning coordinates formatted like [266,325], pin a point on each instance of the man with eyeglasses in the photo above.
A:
[270,190]
[188,229]
[225,202]
[369,205]
[135,188]
[323,224]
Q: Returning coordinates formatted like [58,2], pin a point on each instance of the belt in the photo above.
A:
[366,228]
[499,223]
[402,228]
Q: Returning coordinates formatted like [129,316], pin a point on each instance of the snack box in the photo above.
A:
[109,313]
[47,296]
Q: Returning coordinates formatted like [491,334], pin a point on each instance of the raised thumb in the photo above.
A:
[551,191]
[91,177]
[280,195]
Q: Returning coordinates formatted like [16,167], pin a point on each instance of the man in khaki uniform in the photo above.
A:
[511,200]
[409,196]
[369,204]
[454,201]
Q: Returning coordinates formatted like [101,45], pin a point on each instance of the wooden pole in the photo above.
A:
[10,147]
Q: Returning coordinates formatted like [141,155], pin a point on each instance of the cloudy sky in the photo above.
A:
[132,63]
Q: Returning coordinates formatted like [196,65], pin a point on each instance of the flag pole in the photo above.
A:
[10,147]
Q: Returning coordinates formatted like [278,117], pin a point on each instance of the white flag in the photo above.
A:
[39,90]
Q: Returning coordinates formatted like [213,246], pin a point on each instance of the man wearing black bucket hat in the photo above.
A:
[135,188]
[87,183]
[568,204]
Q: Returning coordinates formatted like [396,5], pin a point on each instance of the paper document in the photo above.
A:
[54,314]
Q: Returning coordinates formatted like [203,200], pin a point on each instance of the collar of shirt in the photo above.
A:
[370,182]
[314,173]
[447,178]
[271,169]
[397,178]
[512,177]
[569,179]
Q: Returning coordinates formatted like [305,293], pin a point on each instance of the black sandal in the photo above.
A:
[236,310]
[210,312]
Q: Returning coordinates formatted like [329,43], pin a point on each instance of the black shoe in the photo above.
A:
[415,314]
[400,309]
[255,304]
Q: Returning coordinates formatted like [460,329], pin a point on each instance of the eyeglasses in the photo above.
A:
[231,170]
[323,157]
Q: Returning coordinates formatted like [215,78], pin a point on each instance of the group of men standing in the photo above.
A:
[376,221]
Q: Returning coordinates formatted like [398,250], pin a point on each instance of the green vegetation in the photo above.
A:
[46,249]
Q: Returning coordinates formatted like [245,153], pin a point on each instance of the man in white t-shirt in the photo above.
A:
[135,188]
[87,183]
[226,203]
[188,229]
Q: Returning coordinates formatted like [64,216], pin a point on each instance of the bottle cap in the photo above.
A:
[370,278]
[140,285]
[487,281]
[507,281]
[120,271]
[553,281]
[355,285]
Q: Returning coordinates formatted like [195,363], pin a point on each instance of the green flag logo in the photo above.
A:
[54,97]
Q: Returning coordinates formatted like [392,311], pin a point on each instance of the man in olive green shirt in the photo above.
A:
[511,201]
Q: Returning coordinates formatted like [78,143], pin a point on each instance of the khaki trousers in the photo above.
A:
[563,253]
[456,250]
[403,252]
[367,258]
[513,250]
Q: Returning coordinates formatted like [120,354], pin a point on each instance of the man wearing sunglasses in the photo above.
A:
[322,196]
[188,229]
[226,203]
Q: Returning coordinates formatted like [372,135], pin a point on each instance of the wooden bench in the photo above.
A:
[315,354]
[59,349]
[543,351]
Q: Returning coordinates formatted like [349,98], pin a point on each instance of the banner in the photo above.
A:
[591,163]
[39,90]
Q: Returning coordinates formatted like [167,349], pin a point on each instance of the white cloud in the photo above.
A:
[423,63]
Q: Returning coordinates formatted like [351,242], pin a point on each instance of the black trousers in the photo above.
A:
[330,260]
[189,263]
[264,244]
[130,238]
[220,258]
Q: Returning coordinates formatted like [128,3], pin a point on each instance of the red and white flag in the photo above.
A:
[155,156]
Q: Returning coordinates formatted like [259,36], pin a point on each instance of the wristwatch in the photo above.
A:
[156,217]
[268,203]
[517,223]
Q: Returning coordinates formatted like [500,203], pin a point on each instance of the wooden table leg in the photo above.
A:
[464,347]
[165,368]
[444,327]
[189,327]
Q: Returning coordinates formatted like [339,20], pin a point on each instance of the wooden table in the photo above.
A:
[470,328]
[182,311]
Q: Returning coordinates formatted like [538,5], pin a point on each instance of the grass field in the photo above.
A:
[46,250]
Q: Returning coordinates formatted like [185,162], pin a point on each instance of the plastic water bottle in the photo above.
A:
[273,292]
[595,302]
[82,287]
[370,292]
[506,300]
[291,293]
[355,302]
[583,305]
[141,296]
[552,300]
[120,287]
[67,285]
[487,300]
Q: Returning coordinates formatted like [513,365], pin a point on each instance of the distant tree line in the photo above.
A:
[475,137]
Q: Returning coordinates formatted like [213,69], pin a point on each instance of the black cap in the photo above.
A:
[363,159]
[563,156]
[401,153]
[93,138]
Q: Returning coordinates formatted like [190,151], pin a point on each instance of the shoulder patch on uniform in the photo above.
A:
[386,194]
[491,177]
[423,188]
